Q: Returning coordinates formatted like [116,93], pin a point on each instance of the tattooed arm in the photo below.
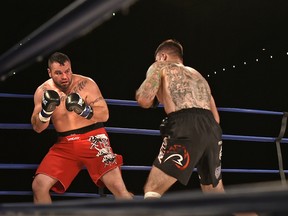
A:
[150,86]
[90,92]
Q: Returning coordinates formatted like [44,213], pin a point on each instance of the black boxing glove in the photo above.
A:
[155,103]
[50,101]
[75,103]
[163,127]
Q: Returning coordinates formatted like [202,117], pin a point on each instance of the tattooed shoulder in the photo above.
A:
[80,85]
[156,67]
[43,87]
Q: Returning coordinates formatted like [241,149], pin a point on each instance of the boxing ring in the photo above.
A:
[269,198]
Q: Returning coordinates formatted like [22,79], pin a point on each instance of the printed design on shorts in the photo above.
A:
[179,155]
[162,150]
[217,172]
[220,151]
[100,142]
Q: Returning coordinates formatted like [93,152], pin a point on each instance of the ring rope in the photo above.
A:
[152,132]
[66,194]
[134,103]
[278,140]
[143,168]
[278,147]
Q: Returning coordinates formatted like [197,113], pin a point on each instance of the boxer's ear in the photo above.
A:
[162,57]
[49,72]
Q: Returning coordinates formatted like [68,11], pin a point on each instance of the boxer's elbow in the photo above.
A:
[144,103]
[37,125]
[37,129]
[105,117]
[101,114]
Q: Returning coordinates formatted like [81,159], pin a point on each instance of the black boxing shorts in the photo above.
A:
[193,140]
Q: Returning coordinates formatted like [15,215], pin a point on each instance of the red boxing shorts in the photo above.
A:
[77,150]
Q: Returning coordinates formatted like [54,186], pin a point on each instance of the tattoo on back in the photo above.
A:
[187,89]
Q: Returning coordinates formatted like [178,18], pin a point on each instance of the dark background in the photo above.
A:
[239,46]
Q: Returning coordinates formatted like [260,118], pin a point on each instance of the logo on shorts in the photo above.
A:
[101,143]
[162,150]
[218,172]
[179,155]
[73,138]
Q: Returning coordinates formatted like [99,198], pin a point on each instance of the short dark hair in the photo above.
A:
[172,46]
[59,57]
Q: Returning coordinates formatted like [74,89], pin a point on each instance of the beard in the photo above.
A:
[63,86]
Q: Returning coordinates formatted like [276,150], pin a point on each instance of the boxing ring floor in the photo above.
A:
[268,199]
[265,198]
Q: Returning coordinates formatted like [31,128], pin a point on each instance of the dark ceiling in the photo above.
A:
[240,46]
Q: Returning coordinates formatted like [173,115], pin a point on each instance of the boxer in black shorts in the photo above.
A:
[183,132]
[192,135]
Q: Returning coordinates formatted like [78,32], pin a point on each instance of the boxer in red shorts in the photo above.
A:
[75,106]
